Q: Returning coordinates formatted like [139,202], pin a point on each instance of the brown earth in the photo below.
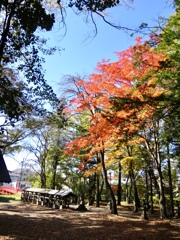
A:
[28,221]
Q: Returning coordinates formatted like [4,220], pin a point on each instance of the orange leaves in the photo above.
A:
[119,98]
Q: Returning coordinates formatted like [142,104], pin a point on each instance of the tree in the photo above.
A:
[168,42]
[58,165]
[11,138]
[19,52]
[37,145]
[122,99]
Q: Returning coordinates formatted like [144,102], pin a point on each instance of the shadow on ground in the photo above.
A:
[28,221]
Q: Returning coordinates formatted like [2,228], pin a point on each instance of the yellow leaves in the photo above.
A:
[137,95]
[151,82]
[157,93]
[136,141]
[94,170]
[126,161]
[131,162]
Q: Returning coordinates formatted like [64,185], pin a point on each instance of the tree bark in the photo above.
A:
[151,191]
[43,173]
[97,191]
[162,199]
[43,179]
[136,197]
[6,29]
[170,182]
[153,148]
[119,192]
[147,187]
[108,186]
[127,191]
[54,172]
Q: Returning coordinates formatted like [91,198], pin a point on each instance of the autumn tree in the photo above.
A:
[122,98]
[166,122]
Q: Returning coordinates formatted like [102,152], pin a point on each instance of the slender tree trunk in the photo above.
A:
[136,197]
[43,179]
[147,188]
[154,151]
[54,172]
[151,191]
[108,186]
[101,187]
[155,182]
[97,191]
[127,190]
[119,192]
[43,174]
[133,181]
[162,199]
[130,190]
[53,180]
[170,182]
[4,35]
[83,193]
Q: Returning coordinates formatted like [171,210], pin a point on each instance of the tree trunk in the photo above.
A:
[162,199]
[147,188]
[153,148]
[54,172]
[127,191]
[155,182]
[170,183]
[91,189]
[43,180]
[151,191]
[43,174]
[136,197]
[97,191]
[5,33]
[119,192]
[108,186]
[101,187]
[130,190]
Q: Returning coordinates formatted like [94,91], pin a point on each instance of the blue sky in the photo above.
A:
[80,55]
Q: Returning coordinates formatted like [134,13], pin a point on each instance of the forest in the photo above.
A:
[111,136]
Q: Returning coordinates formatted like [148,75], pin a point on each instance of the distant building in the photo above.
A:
[19,178]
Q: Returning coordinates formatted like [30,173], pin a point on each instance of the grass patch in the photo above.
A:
[9,198]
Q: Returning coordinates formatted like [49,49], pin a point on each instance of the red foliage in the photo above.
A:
[111,95]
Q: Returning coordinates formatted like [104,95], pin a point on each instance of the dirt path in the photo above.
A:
[27,221]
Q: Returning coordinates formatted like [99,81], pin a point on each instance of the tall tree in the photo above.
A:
[121,98]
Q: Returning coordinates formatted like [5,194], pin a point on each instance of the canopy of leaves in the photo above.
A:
[19,56]
[93,5]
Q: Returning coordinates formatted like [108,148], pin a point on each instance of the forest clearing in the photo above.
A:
[29,221]
[111,133]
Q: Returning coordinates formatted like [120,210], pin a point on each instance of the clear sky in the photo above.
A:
[81,54]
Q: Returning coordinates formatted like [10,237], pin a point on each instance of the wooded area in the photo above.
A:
[112,136]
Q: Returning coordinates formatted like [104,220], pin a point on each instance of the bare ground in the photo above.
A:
[23,221]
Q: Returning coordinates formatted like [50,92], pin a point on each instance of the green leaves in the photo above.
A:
[19,52]
[31,14]
[94,5]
